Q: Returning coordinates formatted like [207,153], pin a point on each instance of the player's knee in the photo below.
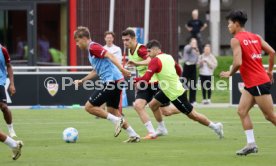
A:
[241,112]
[3,107]
[138,106]
[88,107]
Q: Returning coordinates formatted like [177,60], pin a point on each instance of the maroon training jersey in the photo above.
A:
[252,70]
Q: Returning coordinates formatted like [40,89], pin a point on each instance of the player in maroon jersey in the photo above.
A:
[247,57]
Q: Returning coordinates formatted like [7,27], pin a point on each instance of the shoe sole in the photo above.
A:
[136,140]
[19,153]
[119,128]
[254,150]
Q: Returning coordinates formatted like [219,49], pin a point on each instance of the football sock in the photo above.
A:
[10,126]
[131,132]
[212,125]
[112,118]
[249,136]
[10,142]
[161,125]
[149,127]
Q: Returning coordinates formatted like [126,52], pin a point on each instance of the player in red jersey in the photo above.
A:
[247,48]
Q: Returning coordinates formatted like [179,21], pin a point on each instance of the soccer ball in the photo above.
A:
[70,135]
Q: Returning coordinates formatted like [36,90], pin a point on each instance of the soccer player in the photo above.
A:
[6,67]
[247,57]
[108,68]
[14,145]
[138,56]
[171,89]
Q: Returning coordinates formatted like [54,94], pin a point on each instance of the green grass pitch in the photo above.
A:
[188,143]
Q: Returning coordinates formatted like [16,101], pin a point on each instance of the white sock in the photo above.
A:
[249,136]
[10,126]
[149,127]
[161,125]
[112,118]
[10,142]
[131,132]
[212,125]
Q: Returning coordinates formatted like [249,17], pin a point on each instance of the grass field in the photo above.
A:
[188,143]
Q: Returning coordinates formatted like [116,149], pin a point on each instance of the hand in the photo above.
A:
[224,74]
[12,89]
[126,73]
[190,29]
[131,63]
[78,82]
[270,75]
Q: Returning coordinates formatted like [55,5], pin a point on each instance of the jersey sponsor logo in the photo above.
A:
[247,42]
[51,85]
[256,56]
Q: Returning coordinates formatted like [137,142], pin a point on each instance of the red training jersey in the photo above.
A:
[252,71]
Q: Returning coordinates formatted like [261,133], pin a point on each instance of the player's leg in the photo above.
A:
[169,110]
[265,102]
[155,105]
[14,145]
[266,105]
[6,112]
[113,108]
[133,136]
[185,107]
[246,103]
[93,106]
[161,127]
[142,98]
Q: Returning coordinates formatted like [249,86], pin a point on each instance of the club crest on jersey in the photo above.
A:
[241,86]
[51,85]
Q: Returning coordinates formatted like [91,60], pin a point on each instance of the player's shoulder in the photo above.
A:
[95,45]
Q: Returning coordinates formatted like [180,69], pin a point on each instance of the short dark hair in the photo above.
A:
[82,32]
[153,43]
[237,16]
[109,33]
[129,32]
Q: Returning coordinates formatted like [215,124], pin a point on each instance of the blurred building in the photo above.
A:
[40,32]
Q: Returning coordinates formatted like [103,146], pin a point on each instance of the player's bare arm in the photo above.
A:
[271,52]
[10,73]
[117,64]
[90,76]
[237,59]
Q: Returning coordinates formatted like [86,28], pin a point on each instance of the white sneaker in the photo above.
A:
[209,101]
[118,126]
[161,131]
[12,133]
[133,139]
[17,150]
[219,130]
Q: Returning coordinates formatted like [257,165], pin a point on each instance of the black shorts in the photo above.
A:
[259,90]
[3,97]
[110,93]
[181,103]
[147,92]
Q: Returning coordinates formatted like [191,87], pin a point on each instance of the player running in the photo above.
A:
[138,56]
[247,57]
[108,68]
[163,66]
[6,67]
